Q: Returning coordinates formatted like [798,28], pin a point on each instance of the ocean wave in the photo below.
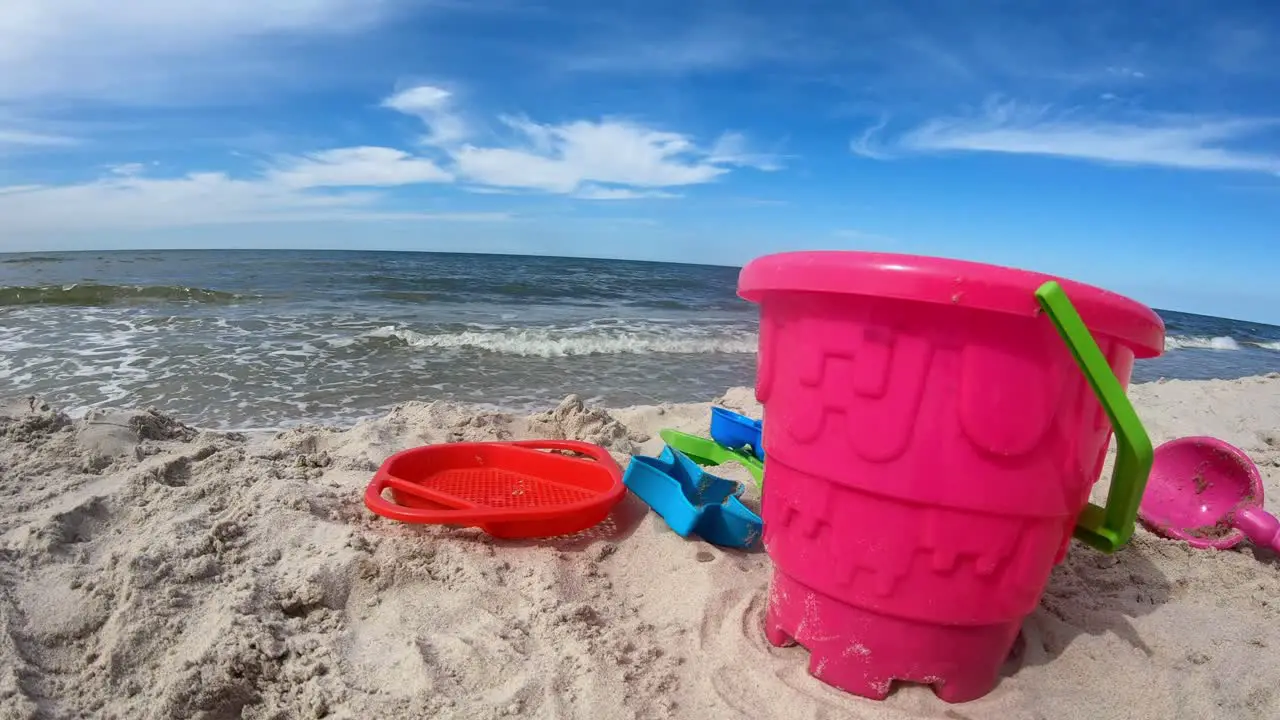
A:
[1220,342]
[415,296]
[565,342]
[90,294]
[27,259]
[1178,342]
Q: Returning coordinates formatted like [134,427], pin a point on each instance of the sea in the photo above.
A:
[255,340]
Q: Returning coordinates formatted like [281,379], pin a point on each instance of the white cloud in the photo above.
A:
[1183,142]
[560,158]
[435,107]
[356,166]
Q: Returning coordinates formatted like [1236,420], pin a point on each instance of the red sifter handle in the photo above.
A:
[595,452]
[374,501]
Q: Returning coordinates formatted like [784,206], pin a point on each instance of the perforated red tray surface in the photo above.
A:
[508,489]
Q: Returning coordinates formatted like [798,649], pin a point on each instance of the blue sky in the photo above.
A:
[1131,144]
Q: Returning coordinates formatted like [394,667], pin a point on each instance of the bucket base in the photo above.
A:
[864,652]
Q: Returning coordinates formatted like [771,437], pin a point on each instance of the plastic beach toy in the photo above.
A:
[692,501]
[507,489]
[708,452]
[1208,493]
[934,429]
[736,431]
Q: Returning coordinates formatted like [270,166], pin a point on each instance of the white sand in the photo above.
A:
[151,571]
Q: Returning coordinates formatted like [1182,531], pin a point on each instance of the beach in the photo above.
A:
[149,569]
[429,359]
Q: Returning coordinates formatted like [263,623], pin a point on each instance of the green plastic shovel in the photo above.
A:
[708,452]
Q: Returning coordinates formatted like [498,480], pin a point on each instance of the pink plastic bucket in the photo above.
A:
[930,444]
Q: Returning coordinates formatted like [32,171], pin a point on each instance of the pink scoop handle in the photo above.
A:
[1261,527]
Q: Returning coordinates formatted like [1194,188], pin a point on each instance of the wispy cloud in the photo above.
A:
[886,51]
[687,40]
[732,148]
[23,137]
[1126,72]
[356,166]
[125,197]
[127,169]
[597,192]
[868,144]
[604,159]
[761,202]
[158,50]
[674,56]
[1171,141]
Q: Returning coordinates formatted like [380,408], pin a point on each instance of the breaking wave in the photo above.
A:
[564,342]
[93,295]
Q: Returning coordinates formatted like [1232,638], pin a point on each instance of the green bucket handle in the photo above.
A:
[1105,528]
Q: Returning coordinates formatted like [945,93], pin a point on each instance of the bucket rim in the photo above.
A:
[946,281]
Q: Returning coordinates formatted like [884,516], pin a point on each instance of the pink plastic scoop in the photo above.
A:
[1208,493]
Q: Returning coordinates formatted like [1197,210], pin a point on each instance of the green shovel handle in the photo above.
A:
[709,452]
[1105,528]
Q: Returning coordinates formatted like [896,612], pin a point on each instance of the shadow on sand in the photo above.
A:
[1091,593]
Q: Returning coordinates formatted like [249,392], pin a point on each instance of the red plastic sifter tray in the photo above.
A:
[507,489]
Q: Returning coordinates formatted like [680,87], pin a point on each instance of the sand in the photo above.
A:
[150,570]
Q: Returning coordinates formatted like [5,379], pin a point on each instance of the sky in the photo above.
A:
[1135,144]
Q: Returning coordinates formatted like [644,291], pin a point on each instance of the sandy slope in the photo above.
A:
[150,570]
